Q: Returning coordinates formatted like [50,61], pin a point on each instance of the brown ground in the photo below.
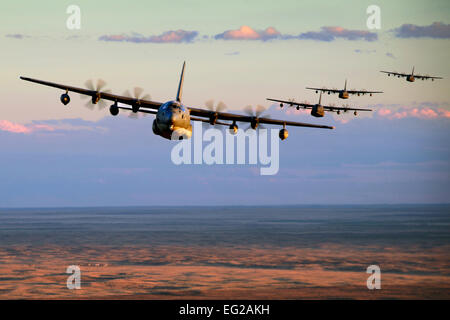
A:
[207,272]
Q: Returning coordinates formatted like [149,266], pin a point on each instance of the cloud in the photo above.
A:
[12,127]
[365,51]
[48,126]
[270,33]
[247,33]
[390,55]
[416,112]
[9,126]
[177,36]
[436,30]
[332,33]
[17,36]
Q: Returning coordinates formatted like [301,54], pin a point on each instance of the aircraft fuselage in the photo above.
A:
[173,119]
[343,94]
[410,78]
[317,111]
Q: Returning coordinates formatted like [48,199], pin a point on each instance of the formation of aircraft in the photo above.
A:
[318,110]
[344,93]
[173,118]
[411,76]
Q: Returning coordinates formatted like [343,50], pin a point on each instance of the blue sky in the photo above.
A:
[57,156]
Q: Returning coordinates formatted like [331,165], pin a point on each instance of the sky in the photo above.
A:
[238,52]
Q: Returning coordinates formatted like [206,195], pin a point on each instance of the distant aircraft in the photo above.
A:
[318,110]
[344,93]
[173,119]
[410,77]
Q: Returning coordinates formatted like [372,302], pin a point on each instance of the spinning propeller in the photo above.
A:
[255,114]
[95,98]
[137,94]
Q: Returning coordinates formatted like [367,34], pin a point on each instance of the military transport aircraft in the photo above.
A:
[318,110]
[173,119]
[344,93]
[410,77]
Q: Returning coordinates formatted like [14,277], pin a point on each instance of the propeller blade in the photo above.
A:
[221,106]
[89,84]
[100,84]
[146,97]
[89,105]
[138,92]
[259,110]
[210,104]
[249,110]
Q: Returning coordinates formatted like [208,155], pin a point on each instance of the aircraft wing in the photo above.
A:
[396,73]
[418,76]
[102,95]
[293,103]
[142,109]
[362,92]
[325,90]
[334,109]
[244,118]
[309,106]
[145,105]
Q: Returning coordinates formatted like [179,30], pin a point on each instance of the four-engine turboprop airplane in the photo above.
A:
[410,77]
[318,110]
[173,119]
[344,93]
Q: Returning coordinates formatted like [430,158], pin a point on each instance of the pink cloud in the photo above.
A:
[247,33]
[9,126]
[44,127]
[294,111]
[384,112]
[444,113]
[417,112]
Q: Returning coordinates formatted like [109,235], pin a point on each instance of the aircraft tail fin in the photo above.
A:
[412,73]
[320,97]
[180,85]
[345,86]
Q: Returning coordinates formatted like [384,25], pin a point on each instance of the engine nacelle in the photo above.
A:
[135,108]
[283,134]
[155,128]
[233,128]
[213,119]
[281,105]
[355,113]
[95,99]
[65,99]
[254,124]
[114,109]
